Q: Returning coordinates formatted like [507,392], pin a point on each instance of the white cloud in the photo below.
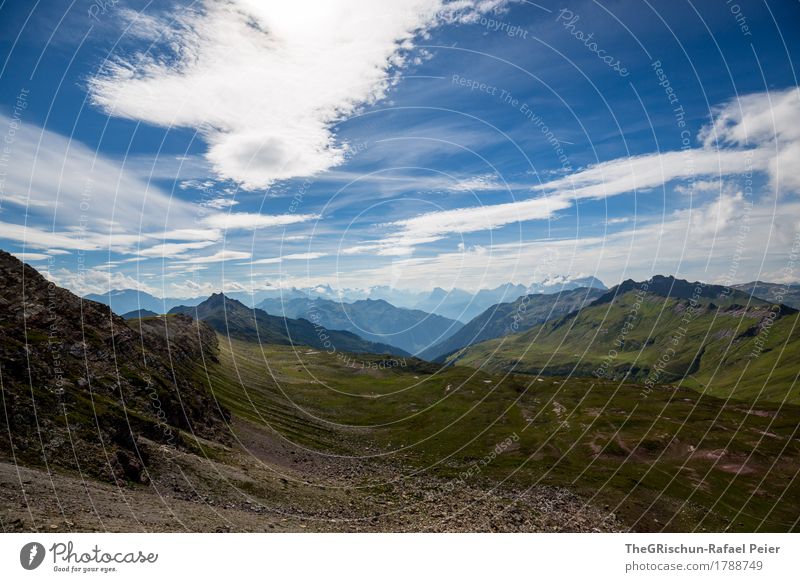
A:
[94,281]
[777,154]
[291,257]
[749,242]
[434,226]
[698,186]
[173,250]
[252,220]
[477,184]
[264,82]
[761,129]
[219,257]
[64,183]
[26,257]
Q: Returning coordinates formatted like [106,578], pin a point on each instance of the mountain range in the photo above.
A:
[376,320]
[788,293]
[260,436]
[233,318]
[665,330]
[513,317]
[454,304]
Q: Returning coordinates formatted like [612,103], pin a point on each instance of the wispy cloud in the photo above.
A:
[290,257]
[253,220]
[764,122]
[219,257]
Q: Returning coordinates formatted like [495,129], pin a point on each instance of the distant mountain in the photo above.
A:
[80,384]
[465,306]
[788,294]
[453,304]
[456,304]
[127,300]
[665,330]
[514,317]
[557,283]
[231,317]
[375,320]
[138,314]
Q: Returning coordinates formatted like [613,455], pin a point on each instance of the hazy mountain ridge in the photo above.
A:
[513,317]
[373,319]
[786,293]
[455,304]
[232,318]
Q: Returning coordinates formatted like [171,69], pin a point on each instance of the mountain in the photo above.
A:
[464,306]
[451,304]
[556,283]
[517,316]
[664,330]
[788,293]
[374,320]
[127,300]
[84,390]
[234,319]
[138,314]
[104,420]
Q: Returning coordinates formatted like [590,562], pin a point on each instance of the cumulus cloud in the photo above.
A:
[265,81]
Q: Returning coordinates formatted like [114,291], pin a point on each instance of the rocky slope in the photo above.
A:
[81,388]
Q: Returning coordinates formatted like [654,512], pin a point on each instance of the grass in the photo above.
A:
[671,458]
[714,351]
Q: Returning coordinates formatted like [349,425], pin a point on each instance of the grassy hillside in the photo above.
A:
[721,343]
[673,460]
[514,317]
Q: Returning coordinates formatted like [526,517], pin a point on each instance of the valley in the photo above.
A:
[257,425]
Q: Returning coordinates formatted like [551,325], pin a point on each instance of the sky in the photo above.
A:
[183,148]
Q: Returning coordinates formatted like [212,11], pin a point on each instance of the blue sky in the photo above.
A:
[194,147]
